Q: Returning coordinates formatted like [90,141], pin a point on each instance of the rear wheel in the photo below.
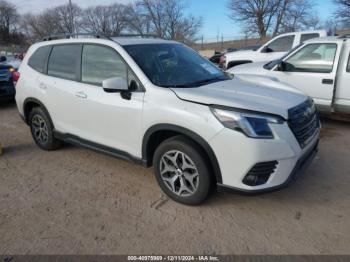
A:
[42,130]
[181,171]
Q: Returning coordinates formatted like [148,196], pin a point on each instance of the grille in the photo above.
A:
[260,173]
[304,122]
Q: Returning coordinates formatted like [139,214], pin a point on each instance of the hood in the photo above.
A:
[242,53]
[250,68]
[242,94]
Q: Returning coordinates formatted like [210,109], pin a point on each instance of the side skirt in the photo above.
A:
[75,140]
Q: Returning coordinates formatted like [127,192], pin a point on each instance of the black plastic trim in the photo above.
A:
[197,138]
[75,140]
[300,167]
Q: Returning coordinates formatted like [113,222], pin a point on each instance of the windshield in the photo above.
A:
[273,63]
[174,65]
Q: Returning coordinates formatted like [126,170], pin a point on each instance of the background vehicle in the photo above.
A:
[160,103]
[319,67]
[274,49]
[7,88]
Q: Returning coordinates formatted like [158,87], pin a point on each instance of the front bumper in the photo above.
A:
[299,169]
[238,154]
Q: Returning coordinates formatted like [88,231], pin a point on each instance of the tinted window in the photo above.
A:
[348,67]
[38,60]
[306,37]
[100,63]
[64,61]
[317,58]
[174,65]
[282,44]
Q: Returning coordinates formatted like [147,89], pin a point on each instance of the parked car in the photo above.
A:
[250,47]
[319,67]
[274,49]
[7,88]
[158,102]
[216,58]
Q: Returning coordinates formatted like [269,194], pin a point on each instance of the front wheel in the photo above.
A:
[181,170]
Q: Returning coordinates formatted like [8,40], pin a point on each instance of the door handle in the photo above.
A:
[81,94]
[328,81]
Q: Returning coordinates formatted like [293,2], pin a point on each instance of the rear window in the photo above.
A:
[305,37]
[38,60]
[64,62]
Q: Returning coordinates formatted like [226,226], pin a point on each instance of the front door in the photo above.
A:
[107,118]
[312,70]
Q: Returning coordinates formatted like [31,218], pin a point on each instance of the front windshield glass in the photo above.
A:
[174,65]
[273,63]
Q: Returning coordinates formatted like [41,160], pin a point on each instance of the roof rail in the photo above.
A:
[137,35]
[95,35]
[68,36]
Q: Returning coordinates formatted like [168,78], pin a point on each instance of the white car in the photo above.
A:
[159,103]
[274,49]
[319,68]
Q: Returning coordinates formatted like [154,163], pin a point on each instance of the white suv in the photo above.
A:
[159,103]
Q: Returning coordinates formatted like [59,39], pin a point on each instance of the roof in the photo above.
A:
[326,39]
[139,41]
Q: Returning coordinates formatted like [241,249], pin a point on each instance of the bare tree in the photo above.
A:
[137,20]
[8,19]
[52,21]
[167,19]
[273,16]
[110,20]
[343,12]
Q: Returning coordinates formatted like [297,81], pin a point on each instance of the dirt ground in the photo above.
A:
[76,201]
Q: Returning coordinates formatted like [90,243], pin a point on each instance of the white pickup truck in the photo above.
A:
[319,67]
[274,49]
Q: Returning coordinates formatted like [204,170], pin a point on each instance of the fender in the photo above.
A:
[195,137]
[36,101]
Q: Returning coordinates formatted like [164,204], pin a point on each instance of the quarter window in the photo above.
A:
[38,60]
[100,63]
[282,44]
[316,58]
[305,37]
[65,62]
[348,67]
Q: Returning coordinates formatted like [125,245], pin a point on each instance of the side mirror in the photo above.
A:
[266,49]
[3,59]
[115,85]
[282,66]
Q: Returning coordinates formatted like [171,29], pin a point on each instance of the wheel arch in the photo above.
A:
[156,134]
[29,104]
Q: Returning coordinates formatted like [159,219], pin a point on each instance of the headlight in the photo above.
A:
[251,124]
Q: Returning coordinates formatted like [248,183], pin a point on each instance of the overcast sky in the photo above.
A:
[25,6]
[213,12]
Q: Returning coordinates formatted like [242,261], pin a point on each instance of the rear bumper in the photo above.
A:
[302,164]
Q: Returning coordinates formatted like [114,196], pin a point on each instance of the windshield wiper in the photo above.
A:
[202,82]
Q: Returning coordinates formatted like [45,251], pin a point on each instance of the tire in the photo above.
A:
[42,130]
[188,184]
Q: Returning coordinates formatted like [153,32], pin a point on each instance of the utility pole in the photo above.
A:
[71,19]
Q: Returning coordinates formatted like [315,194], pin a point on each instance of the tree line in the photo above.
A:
[164,18]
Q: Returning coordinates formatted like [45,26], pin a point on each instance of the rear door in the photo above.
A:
[62,85]
[312,69]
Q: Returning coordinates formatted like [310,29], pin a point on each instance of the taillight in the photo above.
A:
[15,76]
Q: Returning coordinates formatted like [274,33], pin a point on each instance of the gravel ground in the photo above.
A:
[76,201]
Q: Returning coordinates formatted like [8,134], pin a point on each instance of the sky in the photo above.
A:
[214,13]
